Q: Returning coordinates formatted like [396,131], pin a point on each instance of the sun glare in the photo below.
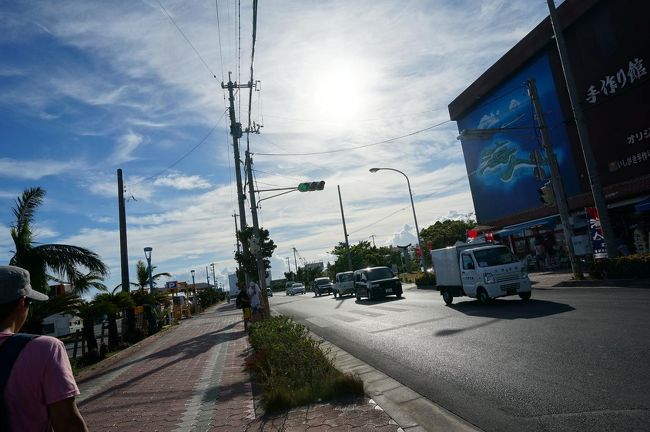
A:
[338,94]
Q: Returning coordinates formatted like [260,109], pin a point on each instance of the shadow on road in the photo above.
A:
[509,309]
[367,302]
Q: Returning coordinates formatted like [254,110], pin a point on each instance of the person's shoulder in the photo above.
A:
[43,342]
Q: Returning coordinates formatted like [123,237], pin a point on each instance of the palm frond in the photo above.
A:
[24,210]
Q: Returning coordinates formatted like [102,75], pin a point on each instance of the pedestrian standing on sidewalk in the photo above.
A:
[37,386]
[243,302]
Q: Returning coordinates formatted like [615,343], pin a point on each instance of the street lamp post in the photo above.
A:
[193,284]
[147,255]
[417,229]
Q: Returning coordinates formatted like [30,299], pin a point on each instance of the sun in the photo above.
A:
[338,94]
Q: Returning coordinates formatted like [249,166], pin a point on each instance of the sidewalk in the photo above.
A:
[191,378]
[552,279]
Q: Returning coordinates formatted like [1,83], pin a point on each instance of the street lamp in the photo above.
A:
[147,255]
[417,229]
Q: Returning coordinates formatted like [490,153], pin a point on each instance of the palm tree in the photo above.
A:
[112,303]
[61,259]
[143,275]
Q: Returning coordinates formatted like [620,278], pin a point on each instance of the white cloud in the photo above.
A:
[36,169]
[181,182]
[127,144]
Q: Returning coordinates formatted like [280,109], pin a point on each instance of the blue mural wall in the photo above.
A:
[506,167]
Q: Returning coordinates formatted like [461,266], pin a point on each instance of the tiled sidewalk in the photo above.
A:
[192,379]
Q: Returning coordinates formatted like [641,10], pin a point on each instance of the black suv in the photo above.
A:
[322,286]
[376,282]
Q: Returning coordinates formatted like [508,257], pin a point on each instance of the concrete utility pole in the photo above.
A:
[124,252]
[295,262]
[583,135]
[234,215]
[345,232]
[556,180]
[372,236]
[236,133]
[257,238]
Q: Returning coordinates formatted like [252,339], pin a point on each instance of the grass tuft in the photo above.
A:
[292,368]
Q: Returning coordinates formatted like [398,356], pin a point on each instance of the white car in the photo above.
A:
[296,288]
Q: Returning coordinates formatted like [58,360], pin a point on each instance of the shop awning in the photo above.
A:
[546,222]
[643,206]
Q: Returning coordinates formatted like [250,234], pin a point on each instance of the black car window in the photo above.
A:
[380,273]
[345,277]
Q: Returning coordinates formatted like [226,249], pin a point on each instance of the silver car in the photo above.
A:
[296,288]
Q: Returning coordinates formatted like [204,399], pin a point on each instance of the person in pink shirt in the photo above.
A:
[39,393]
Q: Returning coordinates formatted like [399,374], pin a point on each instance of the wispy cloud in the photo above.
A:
[180,182]
[36,168]
[126,145]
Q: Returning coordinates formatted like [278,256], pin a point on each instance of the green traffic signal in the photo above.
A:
[311,186]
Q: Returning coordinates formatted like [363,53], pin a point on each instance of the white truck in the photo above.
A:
[344,284]
[484,271]
[61,325]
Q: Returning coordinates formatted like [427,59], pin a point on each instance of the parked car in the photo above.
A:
[376,282]
[296,288]
[269,292]
[344,284]
[322,285]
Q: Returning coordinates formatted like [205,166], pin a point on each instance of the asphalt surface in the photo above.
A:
[572,358]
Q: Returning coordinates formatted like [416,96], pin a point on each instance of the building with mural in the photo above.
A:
[608,42]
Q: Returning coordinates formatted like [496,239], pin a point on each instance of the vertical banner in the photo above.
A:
[597,236]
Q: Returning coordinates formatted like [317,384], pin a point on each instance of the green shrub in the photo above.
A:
[632,266]
[292,368]
[425,279]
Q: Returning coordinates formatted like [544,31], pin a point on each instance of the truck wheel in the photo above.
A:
[483,296]
[447,297]
[525,295]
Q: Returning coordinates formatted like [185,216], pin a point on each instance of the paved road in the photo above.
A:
[570,359]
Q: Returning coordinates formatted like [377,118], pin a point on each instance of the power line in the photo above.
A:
[216,5]
[357,147]
[185,155]
[186,38]
[377,221]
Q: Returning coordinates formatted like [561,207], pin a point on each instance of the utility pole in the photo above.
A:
[207,276]
[128,323]
[236,133]
[372,236]
[257,238]
[295,262]
[556,180]
[345,231]
[124,252]
[583,135]
[289,265]
[234,215]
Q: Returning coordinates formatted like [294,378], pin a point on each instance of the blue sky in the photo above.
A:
[89,87]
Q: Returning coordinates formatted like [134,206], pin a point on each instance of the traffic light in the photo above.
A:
[546,195]
[311,186]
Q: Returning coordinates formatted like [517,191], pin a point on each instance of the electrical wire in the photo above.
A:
[216,6]
[377,221]
[185,155]
[356,147]
[187,39]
